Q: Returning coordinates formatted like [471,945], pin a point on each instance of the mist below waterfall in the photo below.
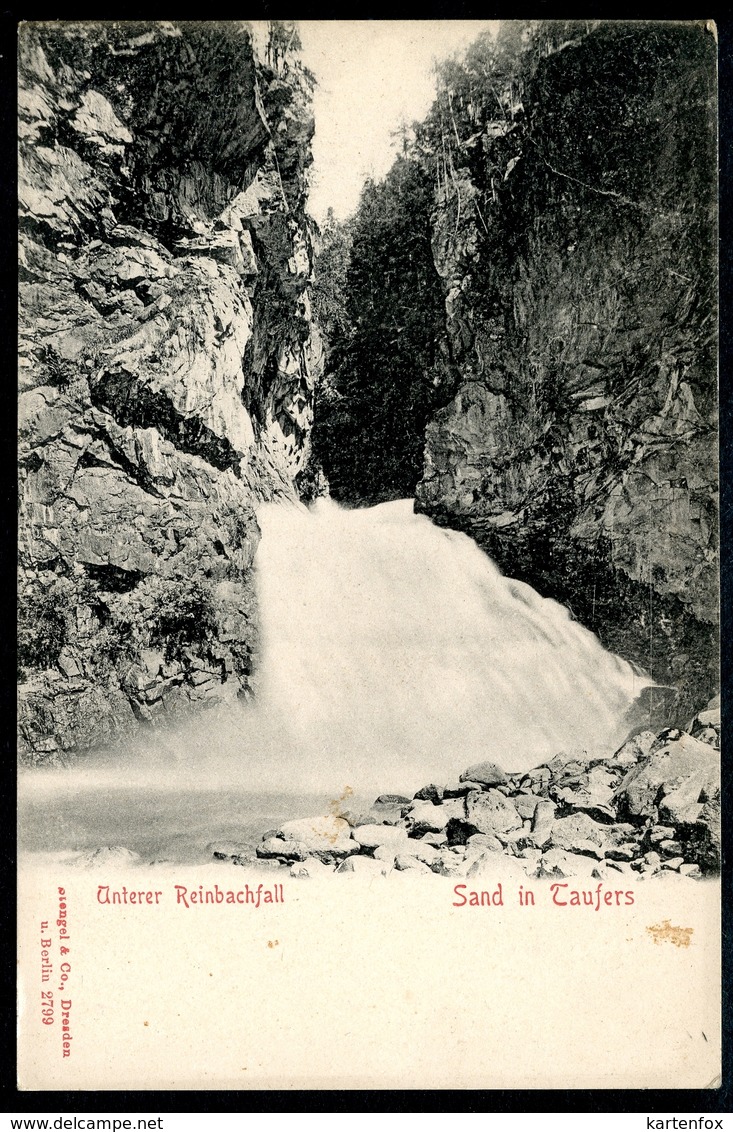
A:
[394,653]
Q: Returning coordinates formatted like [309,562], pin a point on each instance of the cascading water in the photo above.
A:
[395,653]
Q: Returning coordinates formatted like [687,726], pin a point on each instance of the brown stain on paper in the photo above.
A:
[666,933]
[336,804]
[336,807]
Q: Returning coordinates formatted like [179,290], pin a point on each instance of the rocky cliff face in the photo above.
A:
[576,241]
[167,363]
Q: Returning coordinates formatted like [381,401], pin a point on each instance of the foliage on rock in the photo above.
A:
[42,629]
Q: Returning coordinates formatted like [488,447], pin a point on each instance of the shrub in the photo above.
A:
[42,629]
[184,617]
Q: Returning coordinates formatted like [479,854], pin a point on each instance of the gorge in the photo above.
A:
[517,328]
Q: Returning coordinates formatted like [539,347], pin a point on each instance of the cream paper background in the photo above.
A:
[377,983]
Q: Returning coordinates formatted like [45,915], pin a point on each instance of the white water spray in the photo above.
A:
[395,653]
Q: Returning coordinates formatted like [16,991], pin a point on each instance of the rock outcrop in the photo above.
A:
[575,237]
[167,363]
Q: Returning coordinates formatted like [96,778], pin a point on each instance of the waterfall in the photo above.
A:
[396,653]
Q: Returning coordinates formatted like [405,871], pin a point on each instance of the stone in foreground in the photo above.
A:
[679,760]
[488,774]
[490,812]
[373,836]
[364,866]
[326,832]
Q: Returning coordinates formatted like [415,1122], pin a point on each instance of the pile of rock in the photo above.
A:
[651,808]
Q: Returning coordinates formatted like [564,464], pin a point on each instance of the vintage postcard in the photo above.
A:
[369,717]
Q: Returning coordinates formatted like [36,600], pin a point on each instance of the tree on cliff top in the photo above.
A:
[328,290]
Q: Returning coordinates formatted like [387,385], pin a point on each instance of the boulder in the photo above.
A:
[562,863]
[584,803]
[679,759]
[323,834]
[359,817]
[484,842]
[626,852]
[683,805]
[364,866]
[706,724]
[324,827]
[405,862]
[542,822]
[537,781]
[279,847]
[387,813]
[614,867]
[660,833]
[434,838]
[579,833]
[673,863]
[709,734]
[458,789]
[526,804]
[566,766]
[495,865]
[254,863]
[447,865]
[490,812]
[488,774]
[703,840]
[310,869]
[424,817]
[621,832]
[638,747]
[373,836]
[430,793]
[424,852]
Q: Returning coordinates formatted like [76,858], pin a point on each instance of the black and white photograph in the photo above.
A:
[368,601]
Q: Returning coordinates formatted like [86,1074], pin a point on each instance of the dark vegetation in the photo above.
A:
[380,301]
[41,631]
[184,617]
